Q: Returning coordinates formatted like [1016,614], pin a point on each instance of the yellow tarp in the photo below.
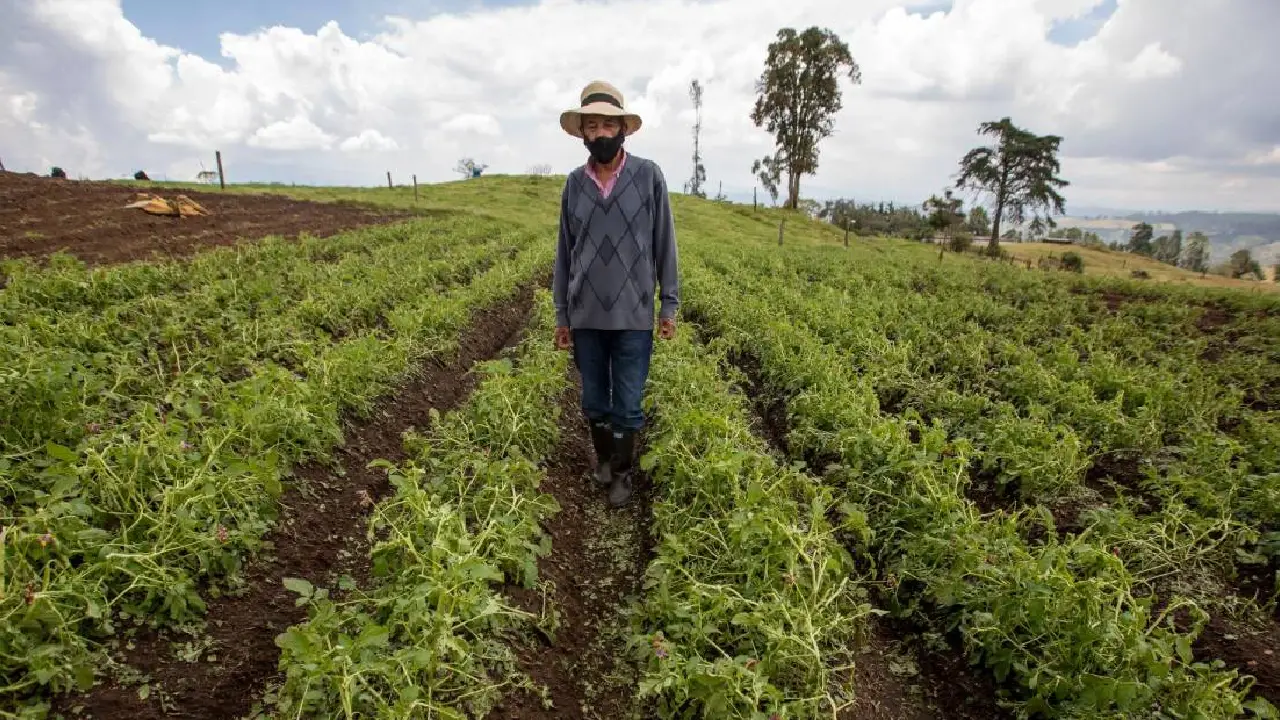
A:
[181,206]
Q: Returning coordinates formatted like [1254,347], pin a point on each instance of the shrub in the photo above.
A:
[1073,262]
[960,242]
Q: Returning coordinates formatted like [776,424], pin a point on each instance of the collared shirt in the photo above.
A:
[606,186]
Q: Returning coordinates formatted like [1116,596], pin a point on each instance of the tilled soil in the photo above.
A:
[320,534]
[40,216]
[594,572]
[1253,649]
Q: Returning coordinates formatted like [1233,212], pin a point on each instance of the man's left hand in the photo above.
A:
[667,328]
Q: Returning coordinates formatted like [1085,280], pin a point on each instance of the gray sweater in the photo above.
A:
[614,252]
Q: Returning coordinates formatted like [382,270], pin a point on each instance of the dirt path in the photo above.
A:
[594,570]
[40,215]
[319,537]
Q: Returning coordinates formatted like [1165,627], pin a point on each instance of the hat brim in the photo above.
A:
[571,120]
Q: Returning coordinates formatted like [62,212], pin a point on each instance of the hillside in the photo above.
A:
[348,476]
[1120,265]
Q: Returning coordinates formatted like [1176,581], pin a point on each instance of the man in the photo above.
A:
[617,245]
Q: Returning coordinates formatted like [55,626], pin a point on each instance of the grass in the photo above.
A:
[1116,264]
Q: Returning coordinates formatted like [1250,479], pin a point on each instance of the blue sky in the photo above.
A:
[194,25]
[1072,32]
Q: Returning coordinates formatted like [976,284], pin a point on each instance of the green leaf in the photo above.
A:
[1183,645]
[299,586]
[374,635]
[84,677]
[61,452]
[1263,709]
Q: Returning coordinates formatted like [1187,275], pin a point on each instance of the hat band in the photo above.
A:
[601,97]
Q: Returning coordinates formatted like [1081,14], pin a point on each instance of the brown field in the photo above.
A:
[40,216]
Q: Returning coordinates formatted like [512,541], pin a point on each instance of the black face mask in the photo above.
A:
[604,149]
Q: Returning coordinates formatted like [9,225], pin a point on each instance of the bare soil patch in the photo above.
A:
[1253,650]
[40,216]
[320,536]
[593,575]
[899,677]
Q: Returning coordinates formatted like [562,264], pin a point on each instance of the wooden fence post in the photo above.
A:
[415,189]
[389,185]
[222,183]
[846,233]
[780,226]
[753,200]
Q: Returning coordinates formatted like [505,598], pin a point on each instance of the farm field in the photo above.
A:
[344,475]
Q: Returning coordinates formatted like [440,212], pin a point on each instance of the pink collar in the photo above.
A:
[606,186]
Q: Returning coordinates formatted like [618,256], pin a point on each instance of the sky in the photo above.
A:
[1162,105]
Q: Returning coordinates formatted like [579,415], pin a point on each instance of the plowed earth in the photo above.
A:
[88,219]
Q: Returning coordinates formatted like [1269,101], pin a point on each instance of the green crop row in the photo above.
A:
[752,607]
[64,283]
[127,526]
[427,637]
[1042,418]
[68,374]
[1060,620]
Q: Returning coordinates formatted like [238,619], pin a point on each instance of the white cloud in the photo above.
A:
[478,123]
[298,133]
[1159,83]
[1153,62]
[368,140]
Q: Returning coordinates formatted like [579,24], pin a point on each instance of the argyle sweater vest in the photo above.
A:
[616,255]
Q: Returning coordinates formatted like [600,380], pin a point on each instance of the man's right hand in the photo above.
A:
[563,338]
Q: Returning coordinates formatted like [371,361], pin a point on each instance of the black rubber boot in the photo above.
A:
[623,468]
[602,438]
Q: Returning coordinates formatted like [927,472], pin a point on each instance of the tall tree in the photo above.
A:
[1196,255]
[769,170]
[797,97]
[979,220]
[944,213]
[1242,263]
[1020,170]
[1160,248]
[694,186]
[1140,240]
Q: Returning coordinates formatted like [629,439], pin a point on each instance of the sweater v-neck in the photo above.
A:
[625,164]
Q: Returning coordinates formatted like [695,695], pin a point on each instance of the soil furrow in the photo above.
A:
[896,676]
[320,536]
[591,578]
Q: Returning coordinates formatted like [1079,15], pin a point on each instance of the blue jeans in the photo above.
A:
[614,365]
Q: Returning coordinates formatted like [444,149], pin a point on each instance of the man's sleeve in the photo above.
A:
[664,247]
[564,246]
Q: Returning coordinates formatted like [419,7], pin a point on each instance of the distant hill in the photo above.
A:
[1227,231]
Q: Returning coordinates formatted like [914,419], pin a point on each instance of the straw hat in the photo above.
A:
[598,98]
